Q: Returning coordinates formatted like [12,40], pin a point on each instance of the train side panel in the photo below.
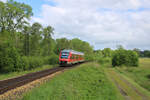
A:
[66,58]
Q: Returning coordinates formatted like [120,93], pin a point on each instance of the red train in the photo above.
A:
[70,57]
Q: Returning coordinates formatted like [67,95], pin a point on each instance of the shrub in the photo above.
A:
[125,57]
[53,59]
[32,62]
[46,60]
[35,62]
[132,58]
[104,60]
[25,63]
[9,59]
[89,57]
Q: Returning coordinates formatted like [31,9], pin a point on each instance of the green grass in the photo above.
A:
[86,82]
[140,75]
[15,74]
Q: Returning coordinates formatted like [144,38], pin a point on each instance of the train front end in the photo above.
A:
[64,57]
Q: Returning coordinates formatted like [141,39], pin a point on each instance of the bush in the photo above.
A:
[125,57]
[25,63]
[89,57]
[104,60]
[9,59]
[46,60]
[53,59]
[35,62]
[32,62]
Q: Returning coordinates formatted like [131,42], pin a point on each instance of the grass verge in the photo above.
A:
[140,75]
[86,82]
[128,88]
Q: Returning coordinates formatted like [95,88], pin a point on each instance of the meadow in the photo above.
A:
[140,74]
[86,82]
[92,81]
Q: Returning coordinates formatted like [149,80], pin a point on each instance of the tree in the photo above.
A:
[107,52]
[137,51]
[9,58]
[14,15]
[82,46]
[47,41]
[146,53]
[35,39]
[26,41]
[61,44]
[125,57]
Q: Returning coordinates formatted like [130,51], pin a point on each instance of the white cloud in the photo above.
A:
[3,0]
[102,23]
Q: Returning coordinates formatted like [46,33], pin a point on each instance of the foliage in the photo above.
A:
[34,62]
[89,57]
[53,59]
[75,44]
[33,42]
[35,37]
[61,44]
[81,46]
[125,57]
[107,52]
[36,41]
[145,53]
[47,43]
[9,59]
[14,15]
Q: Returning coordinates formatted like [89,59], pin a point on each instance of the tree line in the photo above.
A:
[142,53]
[119,57]
[24,46]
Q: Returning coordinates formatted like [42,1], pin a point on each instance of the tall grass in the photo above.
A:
[139,74]
[87,82]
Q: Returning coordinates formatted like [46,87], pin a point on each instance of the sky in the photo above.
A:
[102,23]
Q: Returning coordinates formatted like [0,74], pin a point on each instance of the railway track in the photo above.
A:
[6,85]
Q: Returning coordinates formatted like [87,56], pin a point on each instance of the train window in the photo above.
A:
[64,55]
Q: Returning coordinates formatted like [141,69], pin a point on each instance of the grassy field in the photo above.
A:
[15,74]
[93,81]
[140,75]
[86,82]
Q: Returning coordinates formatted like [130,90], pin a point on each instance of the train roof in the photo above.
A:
[72,51]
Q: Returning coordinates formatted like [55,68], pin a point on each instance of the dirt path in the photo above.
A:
[126,88]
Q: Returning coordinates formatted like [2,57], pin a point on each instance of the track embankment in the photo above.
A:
[9,84]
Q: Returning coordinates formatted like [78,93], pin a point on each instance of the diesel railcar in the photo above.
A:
[67,57]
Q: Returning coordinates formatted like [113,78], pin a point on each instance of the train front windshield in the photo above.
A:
[64,55]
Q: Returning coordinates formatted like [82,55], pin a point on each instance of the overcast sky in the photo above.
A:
[103,23]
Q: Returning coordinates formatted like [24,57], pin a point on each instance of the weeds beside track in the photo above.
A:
[6,85]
